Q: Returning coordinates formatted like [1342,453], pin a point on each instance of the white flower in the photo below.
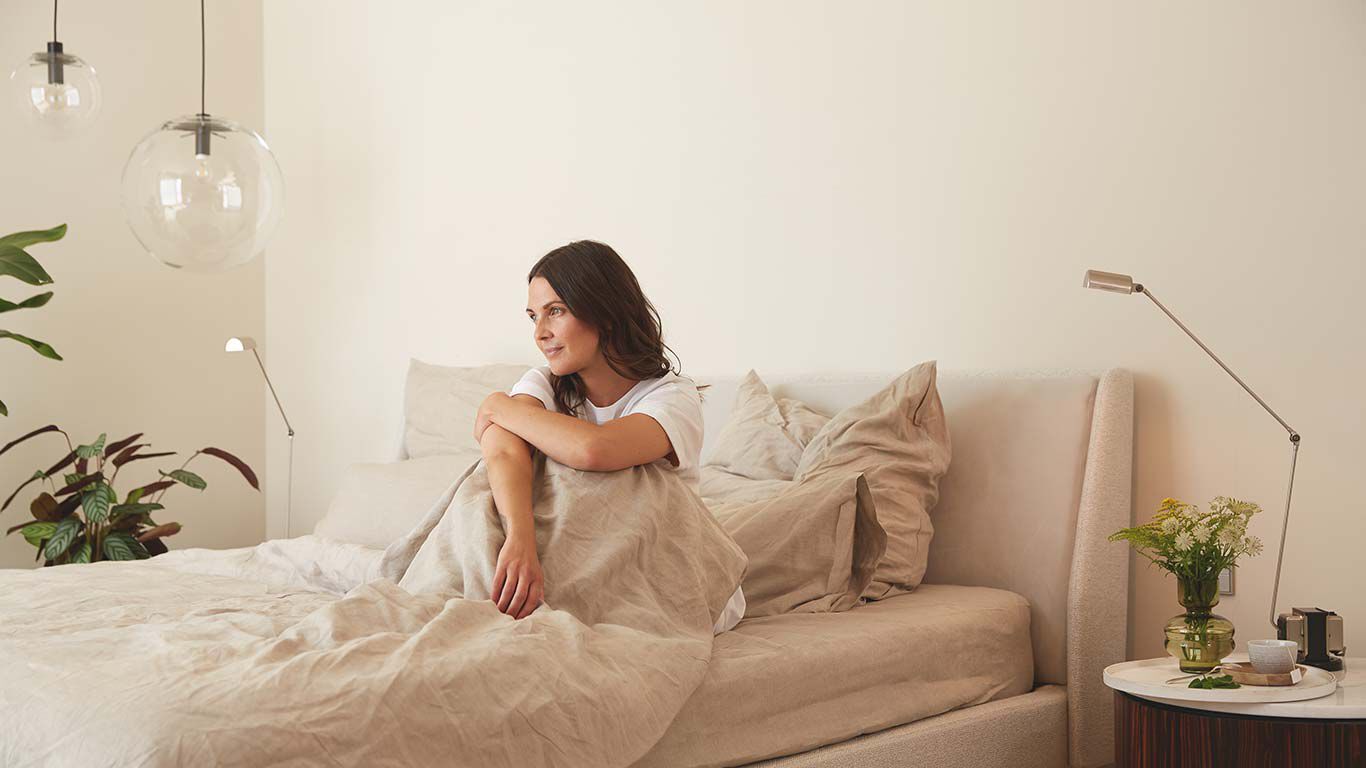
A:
[1201,533]
[1170,525]
[1183,541]
[1253,545]
[1229,536]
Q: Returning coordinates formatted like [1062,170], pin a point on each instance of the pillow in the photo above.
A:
[764,436]
[378,503]
[440,403]
[900,440]
[812,548]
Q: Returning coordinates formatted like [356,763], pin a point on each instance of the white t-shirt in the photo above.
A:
[673,402]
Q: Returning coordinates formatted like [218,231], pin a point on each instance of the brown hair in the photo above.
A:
[602,291]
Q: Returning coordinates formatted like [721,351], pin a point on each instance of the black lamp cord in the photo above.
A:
[203,65]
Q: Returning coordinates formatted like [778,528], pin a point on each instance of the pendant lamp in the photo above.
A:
[55,90]
[203,193]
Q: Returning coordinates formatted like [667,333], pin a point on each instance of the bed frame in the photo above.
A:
[1041,474]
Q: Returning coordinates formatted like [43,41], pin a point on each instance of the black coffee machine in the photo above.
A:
[1319,634]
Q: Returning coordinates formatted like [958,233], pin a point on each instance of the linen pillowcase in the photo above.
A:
[440,404]
[379,503]
[812,548]
[764,437]
[899,439]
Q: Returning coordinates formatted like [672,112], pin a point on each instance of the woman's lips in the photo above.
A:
[553,351]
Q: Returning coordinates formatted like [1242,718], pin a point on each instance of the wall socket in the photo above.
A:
[1226,581]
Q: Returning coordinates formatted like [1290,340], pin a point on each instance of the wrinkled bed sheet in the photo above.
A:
[311,652]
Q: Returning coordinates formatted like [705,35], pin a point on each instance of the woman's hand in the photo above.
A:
[485,417]
[518,584]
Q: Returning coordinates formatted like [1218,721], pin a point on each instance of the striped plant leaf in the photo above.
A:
[96,502]
[92,450]
[63,537]
[36,533]
[123,510]
[82,552]
[186,477]
[121,546]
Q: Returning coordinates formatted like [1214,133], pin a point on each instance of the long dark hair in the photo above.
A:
[602,291]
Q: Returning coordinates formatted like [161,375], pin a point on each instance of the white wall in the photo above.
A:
[840,186]
[142,343]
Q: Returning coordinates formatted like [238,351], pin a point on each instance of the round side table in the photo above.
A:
[1327,731]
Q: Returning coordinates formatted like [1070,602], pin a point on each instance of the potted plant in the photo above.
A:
[15,262]
[81,520]
[1195,546]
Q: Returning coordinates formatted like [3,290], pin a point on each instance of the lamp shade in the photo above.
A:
[1108,281]
[56,91]
[239,344]
[202,193]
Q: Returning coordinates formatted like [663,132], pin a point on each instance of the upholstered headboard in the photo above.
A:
[1041,474]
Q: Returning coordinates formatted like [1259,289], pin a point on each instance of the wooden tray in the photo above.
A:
[1247,674]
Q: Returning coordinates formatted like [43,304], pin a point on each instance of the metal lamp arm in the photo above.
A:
[1294,441]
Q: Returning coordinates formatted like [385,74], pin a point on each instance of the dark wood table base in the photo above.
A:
[1151,734]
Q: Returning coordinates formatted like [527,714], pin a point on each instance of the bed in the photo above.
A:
[1041,474]
[994,660]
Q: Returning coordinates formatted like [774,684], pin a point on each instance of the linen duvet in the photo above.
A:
[311,652]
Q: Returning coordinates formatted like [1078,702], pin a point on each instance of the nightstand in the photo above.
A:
[1325,731]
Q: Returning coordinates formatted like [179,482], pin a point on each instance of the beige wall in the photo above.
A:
[142,344]
[851,186]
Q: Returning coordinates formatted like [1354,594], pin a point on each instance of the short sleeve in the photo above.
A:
[678,409]
[535,383]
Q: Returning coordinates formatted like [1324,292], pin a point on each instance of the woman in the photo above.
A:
[607,399]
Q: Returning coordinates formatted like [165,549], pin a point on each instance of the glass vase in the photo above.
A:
[1199,638]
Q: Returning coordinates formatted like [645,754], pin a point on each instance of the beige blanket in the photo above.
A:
[302,652]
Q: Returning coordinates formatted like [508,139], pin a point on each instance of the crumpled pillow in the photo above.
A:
[764,437]
[899,439]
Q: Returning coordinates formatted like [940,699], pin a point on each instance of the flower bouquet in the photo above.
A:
[1195,546]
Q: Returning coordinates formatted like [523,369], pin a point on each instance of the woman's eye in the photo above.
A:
[554,310]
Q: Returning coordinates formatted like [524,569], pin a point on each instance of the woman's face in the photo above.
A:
[568,343]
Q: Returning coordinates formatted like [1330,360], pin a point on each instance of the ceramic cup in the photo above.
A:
[1273,657]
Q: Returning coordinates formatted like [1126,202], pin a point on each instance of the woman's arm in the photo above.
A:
[518,583]
[618,444]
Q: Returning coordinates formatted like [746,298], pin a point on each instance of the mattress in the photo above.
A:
[779,685]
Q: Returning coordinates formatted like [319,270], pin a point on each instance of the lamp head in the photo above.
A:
[239,344]
[1109,281]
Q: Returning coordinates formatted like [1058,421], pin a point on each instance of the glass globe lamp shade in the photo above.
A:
[56,91]
[203,194]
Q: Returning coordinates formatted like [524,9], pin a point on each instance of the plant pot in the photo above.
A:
[1199,638]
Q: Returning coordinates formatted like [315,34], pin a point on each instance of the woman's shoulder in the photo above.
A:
[672,385]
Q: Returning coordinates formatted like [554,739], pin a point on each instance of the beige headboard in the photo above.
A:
[1041,474]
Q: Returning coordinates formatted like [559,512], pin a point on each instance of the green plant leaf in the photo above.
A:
[32,302]
[186,477]
[63,537]
[15,262]
[121,546]
[240,465]
[4,410]
[25,239]
[92,450]
[36,533]
[97,501]
[42,348]
[82,552]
